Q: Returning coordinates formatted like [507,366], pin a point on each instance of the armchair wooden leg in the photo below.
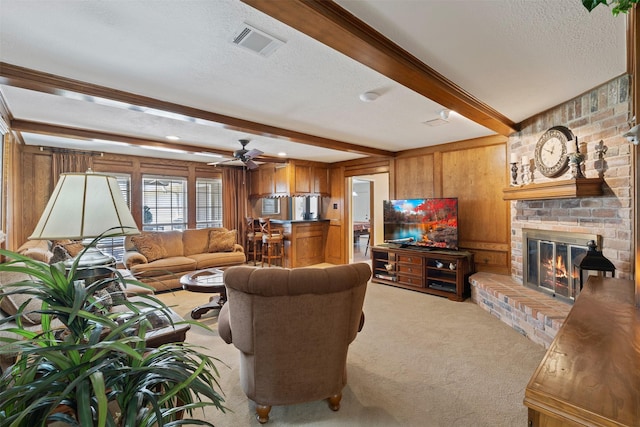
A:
[262,413]
[334,401]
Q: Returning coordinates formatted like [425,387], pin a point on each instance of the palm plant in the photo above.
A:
[94,368]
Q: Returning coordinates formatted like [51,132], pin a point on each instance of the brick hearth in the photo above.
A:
[535,315]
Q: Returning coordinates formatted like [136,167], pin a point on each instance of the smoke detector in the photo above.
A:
[256,41]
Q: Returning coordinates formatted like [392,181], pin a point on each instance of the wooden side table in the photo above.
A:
[209,281]
[591,373]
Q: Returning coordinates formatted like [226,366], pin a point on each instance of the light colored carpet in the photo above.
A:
[420,360]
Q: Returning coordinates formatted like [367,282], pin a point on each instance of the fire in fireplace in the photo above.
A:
[548,261]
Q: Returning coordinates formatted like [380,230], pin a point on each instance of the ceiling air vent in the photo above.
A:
[436,122]
[256,41]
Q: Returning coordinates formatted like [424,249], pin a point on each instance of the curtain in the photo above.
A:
[63,162]
[234,200]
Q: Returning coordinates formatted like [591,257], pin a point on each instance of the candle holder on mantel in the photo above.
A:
[514,173]
[526,172]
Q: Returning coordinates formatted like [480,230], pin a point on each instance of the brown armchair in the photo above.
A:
[293,329]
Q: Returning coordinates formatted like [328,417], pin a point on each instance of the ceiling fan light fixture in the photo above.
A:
[369,96]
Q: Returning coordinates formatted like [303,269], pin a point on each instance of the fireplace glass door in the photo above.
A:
[549,265]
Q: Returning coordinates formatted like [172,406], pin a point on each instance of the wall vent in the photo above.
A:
[256,41]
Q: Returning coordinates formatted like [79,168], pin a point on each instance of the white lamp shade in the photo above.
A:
[85,205]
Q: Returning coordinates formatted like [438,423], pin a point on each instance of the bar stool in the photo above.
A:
[253,239]
[272,243]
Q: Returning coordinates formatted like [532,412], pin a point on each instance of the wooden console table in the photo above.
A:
[591,373]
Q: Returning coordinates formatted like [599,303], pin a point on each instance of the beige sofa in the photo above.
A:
[293,328]
[161,258]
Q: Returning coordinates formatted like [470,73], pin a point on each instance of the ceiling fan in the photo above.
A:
[244,155]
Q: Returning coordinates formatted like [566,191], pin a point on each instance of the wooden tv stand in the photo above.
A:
[438,272]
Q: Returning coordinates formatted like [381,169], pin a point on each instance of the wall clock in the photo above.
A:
[551,156]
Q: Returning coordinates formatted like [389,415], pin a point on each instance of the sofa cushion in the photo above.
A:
[11,303]
[218,259]
[164,266]
[195,241]
[150,245]
[36,249]
[173,242]
[222,241]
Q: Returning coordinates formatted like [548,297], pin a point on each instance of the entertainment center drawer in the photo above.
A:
[414,269]
[410,259]
[416,281]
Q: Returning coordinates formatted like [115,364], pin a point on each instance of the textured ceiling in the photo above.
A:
[520,57]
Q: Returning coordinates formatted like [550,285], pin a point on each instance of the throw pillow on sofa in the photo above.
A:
[222,241]
[150,245]
[10,304]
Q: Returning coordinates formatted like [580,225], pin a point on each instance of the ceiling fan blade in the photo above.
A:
[250,164]
[252,153]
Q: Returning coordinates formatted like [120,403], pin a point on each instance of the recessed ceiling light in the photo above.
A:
[369,96]
[282,154]
[173,138]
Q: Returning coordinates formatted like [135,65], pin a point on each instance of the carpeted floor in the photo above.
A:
[420,360]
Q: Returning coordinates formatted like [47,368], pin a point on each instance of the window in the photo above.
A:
[270,206]
[208,202]
[164,201]
[114,246]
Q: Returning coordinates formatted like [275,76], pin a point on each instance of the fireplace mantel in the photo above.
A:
[565,189]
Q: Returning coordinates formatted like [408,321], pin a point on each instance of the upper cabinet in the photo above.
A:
[292,179]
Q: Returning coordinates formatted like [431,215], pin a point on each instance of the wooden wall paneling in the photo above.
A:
[113,165]
[366,166]
[416,179]
[438,175]
[36,189]
[476,176]
[162,168]
[335,249]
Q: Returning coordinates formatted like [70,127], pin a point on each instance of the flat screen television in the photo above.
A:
[427,223]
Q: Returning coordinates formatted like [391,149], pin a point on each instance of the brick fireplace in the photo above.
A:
[598,118]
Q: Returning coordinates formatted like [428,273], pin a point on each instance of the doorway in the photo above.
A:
[365,215]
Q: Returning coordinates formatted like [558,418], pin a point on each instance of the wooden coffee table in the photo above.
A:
[208,281]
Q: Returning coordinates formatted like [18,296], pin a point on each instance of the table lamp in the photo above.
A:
[84,206]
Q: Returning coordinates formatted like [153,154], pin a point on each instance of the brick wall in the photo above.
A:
[597,118]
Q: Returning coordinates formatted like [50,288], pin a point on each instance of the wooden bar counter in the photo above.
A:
[591,373]
[304,241]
